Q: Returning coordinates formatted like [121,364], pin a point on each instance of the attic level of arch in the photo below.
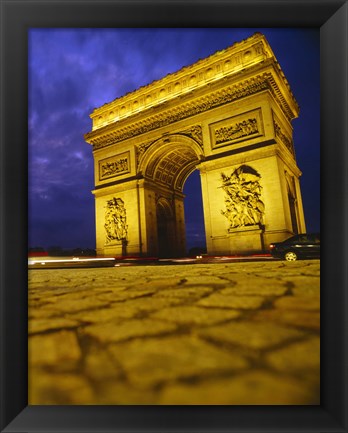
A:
[221,64]
[226,76]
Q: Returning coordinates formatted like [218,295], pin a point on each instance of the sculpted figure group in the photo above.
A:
[233,132]
[244,206]
[111,168]
[115,220]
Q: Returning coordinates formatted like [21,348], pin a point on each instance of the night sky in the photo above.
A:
[73,71]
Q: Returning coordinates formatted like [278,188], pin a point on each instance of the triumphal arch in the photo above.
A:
[228,116]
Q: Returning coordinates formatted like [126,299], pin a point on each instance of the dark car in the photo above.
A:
[305,245]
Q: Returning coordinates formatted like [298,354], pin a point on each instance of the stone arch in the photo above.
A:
[170,160]
[223,112]
[165,165]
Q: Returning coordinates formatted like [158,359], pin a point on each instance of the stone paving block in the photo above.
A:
[192,315]
[37,292]
[149,304]
[185,292]
[36,305]
[49,324]
[306,285]
[253,388]
[254,335]
[60,350]
[256,286]
[310,268]
[287,270]
[124,295]
[157,284]
[309,320]
[173,357]
[73,294]
[113,331]
[74,305]
[99,366]
[115,312]
[204,280]
[298,303]
[58,389]
[39,312]
[68,293]
[237,302]
[301,356]
[116,392]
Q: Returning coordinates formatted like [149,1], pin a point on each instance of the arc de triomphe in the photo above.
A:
[228,116]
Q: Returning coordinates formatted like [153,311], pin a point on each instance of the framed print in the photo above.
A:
[120,158]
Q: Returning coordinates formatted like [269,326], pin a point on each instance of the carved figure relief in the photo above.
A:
[142,148]
[140,151]
[195,132]
[115,220]
[238,130]
[244,206]
[114,166]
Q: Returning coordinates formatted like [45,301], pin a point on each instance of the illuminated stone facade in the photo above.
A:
[229,116]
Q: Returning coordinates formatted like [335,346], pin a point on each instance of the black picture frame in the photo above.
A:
[331,16]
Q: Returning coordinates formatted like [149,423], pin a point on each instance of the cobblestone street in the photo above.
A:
[244,333]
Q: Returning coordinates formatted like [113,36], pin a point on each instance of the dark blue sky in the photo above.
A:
[73,71]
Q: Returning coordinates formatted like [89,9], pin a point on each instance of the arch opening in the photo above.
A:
[165,229]
[165,167]
[194,215]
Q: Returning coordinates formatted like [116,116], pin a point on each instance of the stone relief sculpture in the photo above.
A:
[115,220]
[109,169]
[196,133]
[239,130]
[244,206]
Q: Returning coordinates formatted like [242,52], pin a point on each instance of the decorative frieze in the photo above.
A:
[116,228]
[114,166]
[243,203]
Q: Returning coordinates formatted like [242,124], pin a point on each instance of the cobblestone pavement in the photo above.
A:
[230,334]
